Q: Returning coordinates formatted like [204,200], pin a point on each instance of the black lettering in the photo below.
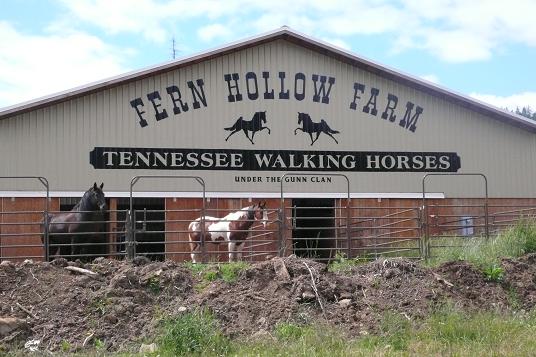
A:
[267,95]
[175,95]
[237,97]
[282,93]
[197,93]
[322,89]
[135,104]
[299,77]
[358,87]
[252,95]
[410,123]
[391,98]
[372,101]
[159,115]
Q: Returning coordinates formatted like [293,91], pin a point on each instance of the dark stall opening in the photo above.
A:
[150,226]
[313,230]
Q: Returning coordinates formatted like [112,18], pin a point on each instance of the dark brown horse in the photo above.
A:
[233,229]
[77,226]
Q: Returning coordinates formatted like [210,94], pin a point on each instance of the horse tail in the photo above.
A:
[235,126]
[329,130]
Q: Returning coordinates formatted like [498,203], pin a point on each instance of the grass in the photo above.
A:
[341,263]
[195,333]
[446,332]
[208,273]
[487,253]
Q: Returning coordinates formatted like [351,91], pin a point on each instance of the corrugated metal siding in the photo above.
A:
[55,141]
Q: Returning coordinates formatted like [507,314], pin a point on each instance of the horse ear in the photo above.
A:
[101,185]
[94,185]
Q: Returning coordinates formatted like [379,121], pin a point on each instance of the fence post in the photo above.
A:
[348,240]
[129,235]
[281,244]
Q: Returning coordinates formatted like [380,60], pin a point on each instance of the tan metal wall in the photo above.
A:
[55,141]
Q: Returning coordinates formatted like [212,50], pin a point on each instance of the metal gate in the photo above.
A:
[24,228]
[317,229]
[177,214]
[447,225]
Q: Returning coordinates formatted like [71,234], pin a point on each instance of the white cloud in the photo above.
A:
[511,102]
[34,66]
[430,78]
[338,43]
[452,30]
[210,32]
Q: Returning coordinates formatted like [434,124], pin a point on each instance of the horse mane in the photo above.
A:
[304,116]
[251,212]
[259,115]
[78,206]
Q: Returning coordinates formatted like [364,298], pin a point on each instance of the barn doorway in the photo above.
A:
[150,219]
[313,227]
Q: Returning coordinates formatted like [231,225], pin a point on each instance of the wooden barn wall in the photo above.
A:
[21,218]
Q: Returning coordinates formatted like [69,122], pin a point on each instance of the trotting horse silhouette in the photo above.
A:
[232,229]
[310,127]
[80,225]
[253,125]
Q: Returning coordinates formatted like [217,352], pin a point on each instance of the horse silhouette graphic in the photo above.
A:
[253,125]
[310,127]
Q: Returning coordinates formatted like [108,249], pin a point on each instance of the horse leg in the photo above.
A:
[332,137]
[233,132]
[296,130]
[64,250]
[317,135]
[247,136]
[239,249]
[269,132]
[194,251]
[232,251]
[312,141]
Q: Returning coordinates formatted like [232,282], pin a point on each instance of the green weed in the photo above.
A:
[494,273]
[192,333]
[341,263]
[154,285]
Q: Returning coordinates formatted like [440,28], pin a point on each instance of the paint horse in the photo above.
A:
[310,127]
[233,229]
[253,125]
[79,225]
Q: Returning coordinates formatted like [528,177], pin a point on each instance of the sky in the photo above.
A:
[485,49]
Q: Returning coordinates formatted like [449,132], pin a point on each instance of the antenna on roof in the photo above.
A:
[173,50]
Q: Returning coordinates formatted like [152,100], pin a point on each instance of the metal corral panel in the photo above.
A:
[378,155]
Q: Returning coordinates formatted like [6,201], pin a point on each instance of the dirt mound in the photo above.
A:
[70,311]
[520,277]
[116,303]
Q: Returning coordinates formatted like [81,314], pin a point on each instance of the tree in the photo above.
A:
[525,112]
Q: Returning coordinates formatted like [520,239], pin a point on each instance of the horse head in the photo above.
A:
[96,197]
[300,117]
[260,213]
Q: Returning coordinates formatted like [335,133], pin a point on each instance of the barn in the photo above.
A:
[351,157]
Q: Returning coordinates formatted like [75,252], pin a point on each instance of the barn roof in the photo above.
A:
[293,37]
